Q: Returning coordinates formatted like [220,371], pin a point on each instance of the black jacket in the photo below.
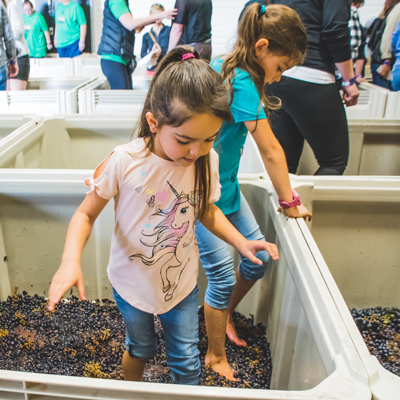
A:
[115,38]
[328,33]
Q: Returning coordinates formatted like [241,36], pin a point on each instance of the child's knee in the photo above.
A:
[251,271]
[145,352]
[219,292]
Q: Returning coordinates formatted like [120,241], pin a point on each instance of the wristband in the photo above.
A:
[387,62]
[81,42]
[12,62]
[351,82]
[293,203]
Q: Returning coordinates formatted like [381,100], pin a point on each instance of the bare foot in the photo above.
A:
[220,366]
[232,334]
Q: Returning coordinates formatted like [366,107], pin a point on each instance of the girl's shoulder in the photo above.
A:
[136,147]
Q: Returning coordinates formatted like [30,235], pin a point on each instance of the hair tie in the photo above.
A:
[262,11]
[188,55]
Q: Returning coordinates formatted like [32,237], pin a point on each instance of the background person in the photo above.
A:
[70,30]
[381,53]
[8,59]
[396,52]
[312,109]
[192,26]
[19,81]
[36,32]
[118,40]
[161,33]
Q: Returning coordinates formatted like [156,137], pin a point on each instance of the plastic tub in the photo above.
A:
[52,67]
[312,354]
[12,124]
[371,102]
[97,98]
[44,96]
[374,150]
[88,65]
[67,142]
[353,238]
[392,109]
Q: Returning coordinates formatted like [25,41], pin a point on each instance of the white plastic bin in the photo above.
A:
[371,102]
[354,239]
[97,98]
[12,124]
[392,109]
[51,67]
[88,65]
[374,150]
[312,354]
[44,96]
[67,142]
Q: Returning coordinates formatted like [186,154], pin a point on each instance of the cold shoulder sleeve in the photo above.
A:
[215,187]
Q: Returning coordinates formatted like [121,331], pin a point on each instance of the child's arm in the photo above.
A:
[275,163]
[69,273]
[216,222]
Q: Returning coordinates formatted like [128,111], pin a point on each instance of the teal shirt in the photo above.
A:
[246,106]
[118,8]
[68,20]
[35,26]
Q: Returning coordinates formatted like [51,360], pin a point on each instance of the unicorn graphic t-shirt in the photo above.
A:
[154,257]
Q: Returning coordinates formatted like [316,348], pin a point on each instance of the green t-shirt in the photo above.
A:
[118,8]
[35,26]
[68,20]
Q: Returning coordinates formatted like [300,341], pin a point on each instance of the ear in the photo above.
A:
[260,46]
[152,122]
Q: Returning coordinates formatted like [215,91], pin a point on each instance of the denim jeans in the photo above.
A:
[217,260]
[3,77]
[181,333]
[377,79]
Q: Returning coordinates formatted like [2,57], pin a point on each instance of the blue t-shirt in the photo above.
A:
[246,106]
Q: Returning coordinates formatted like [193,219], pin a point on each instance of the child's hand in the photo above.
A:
[296,212]
[250,247]
[66,276]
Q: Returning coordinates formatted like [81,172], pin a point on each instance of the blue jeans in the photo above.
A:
[377,79]
[117,74]
[217,260]
[71,51]
[181,332]
[3,77]
[396,78]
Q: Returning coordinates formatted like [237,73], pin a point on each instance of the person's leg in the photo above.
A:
[218,265]
[3,77]
[20,81]
[74,49]
[141,339]
[248,273]
[116,74]
[181,332]
[63,52]
[17,84]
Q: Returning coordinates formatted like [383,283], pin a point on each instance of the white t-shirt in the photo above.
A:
[154,258]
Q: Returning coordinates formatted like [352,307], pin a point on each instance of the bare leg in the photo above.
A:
[241,288]
[17,84]
[216,326]
[133,367]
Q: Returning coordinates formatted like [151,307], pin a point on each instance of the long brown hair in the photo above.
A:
[389,4]
[286,34]
[178,91]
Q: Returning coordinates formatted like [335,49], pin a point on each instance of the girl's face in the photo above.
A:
[186,143]
[273,65]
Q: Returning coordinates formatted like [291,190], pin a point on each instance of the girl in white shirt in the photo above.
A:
[162,183]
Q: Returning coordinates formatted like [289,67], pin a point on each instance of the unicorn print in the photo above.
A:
[174,238]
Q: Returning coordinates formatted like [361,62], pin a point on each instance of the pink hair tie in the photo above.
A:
[188,55]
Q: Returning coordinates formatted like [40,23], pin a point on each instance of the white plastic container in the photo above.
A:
[67,142]
[44,96]
[97,98]
[371,102]
[393,105]
[88,65]
[374,150]
[312,354]
[354,239]
[12,124]
[52,67]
